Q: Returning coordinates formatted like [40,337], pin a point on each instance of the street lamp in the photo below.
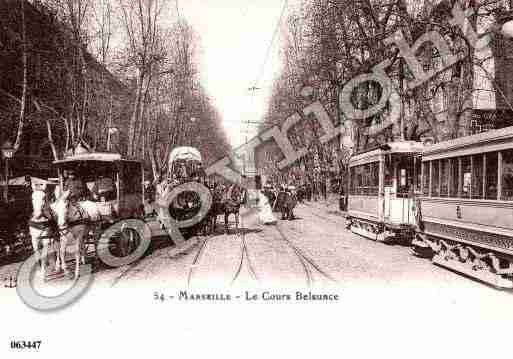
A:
[7,154]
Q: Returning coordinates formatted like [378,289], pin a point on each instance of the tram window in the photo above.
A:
[418,173]
[362,182]
[354,180]
[435,179]
[351,178]
[403,178]
[367,180]
[388,172]
[357,179]
[507,175]
[453,186]
[445,170]
[477,176]
[425,179]
[466,178]
[491,175]
[374,176]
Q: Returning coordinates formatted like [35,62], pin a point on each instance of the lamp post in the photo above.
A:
[7,154]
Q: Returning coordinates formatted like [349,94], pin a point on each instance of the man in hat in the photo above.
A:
[74,185]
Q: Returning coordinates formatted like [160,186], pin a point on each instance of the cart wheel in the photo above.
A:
[130,240]
[127,242]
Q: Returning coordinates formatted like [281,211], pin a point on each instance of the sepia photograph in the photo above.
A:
[256,178]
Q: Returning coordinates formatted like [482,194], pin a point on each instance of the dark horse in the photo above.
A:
[226,200]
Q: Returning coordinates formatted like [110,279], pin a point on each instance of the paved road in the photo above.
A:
[313,251]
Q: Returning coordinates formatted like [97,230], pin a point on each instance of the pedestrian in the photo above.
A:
[323,187]
[342,197]
[308,191]
[265,213]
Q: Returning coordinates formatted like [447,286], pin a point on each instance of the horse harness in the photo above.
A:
[48,222]
[84,218]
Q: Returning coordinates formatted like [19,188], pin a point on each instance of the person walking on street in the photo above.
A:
[342,197]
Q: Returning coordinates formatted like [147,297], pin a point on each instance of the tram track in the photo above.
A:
[244,257]
[304,265]
[196,260]
[305,259]
[308,265]
[144,263]
[245,254]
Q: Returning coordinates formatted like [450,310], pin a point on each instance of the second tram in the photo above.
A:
[382,184]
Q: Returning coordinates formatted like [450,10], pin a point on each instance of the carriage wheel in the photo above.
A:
[127,242]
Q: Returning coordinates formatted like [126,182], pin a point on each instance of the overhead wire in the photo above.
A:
[261,71]
[270,45]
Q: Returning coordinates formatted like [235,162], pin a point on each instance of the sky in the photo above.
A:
[235,36]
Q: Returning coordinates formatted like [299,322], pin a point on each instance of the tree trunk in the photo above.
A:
[154,167]
[135,114]
[50,140]
[23,104]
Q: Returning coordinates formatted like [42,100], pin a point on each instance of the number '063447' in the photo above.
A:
[22,344]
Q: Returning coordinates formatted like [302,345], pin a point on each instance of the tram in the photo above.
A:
[466,218]
[382,186]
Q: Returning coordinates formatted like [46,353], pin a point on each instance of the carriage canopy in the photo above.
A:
[185,154]
[109,175]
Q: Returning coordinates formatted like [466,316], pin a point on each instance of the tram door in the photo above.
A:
[399,188]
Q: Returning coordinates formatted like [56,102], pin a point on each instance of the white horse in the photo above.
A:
[73,219]
[40,228]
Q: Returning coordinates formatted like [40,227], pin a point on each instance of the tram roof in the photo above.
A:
[94,157]
[493,140]
[389,148]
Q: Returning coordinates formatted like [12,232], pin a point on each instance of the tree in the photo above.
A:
[141,20]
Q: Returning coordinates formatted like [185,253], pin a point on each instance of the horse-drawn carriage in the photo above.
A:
[95,191]
[186,167]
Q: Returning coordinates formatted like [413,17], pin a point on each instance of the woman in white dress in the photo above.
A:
[265,213]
